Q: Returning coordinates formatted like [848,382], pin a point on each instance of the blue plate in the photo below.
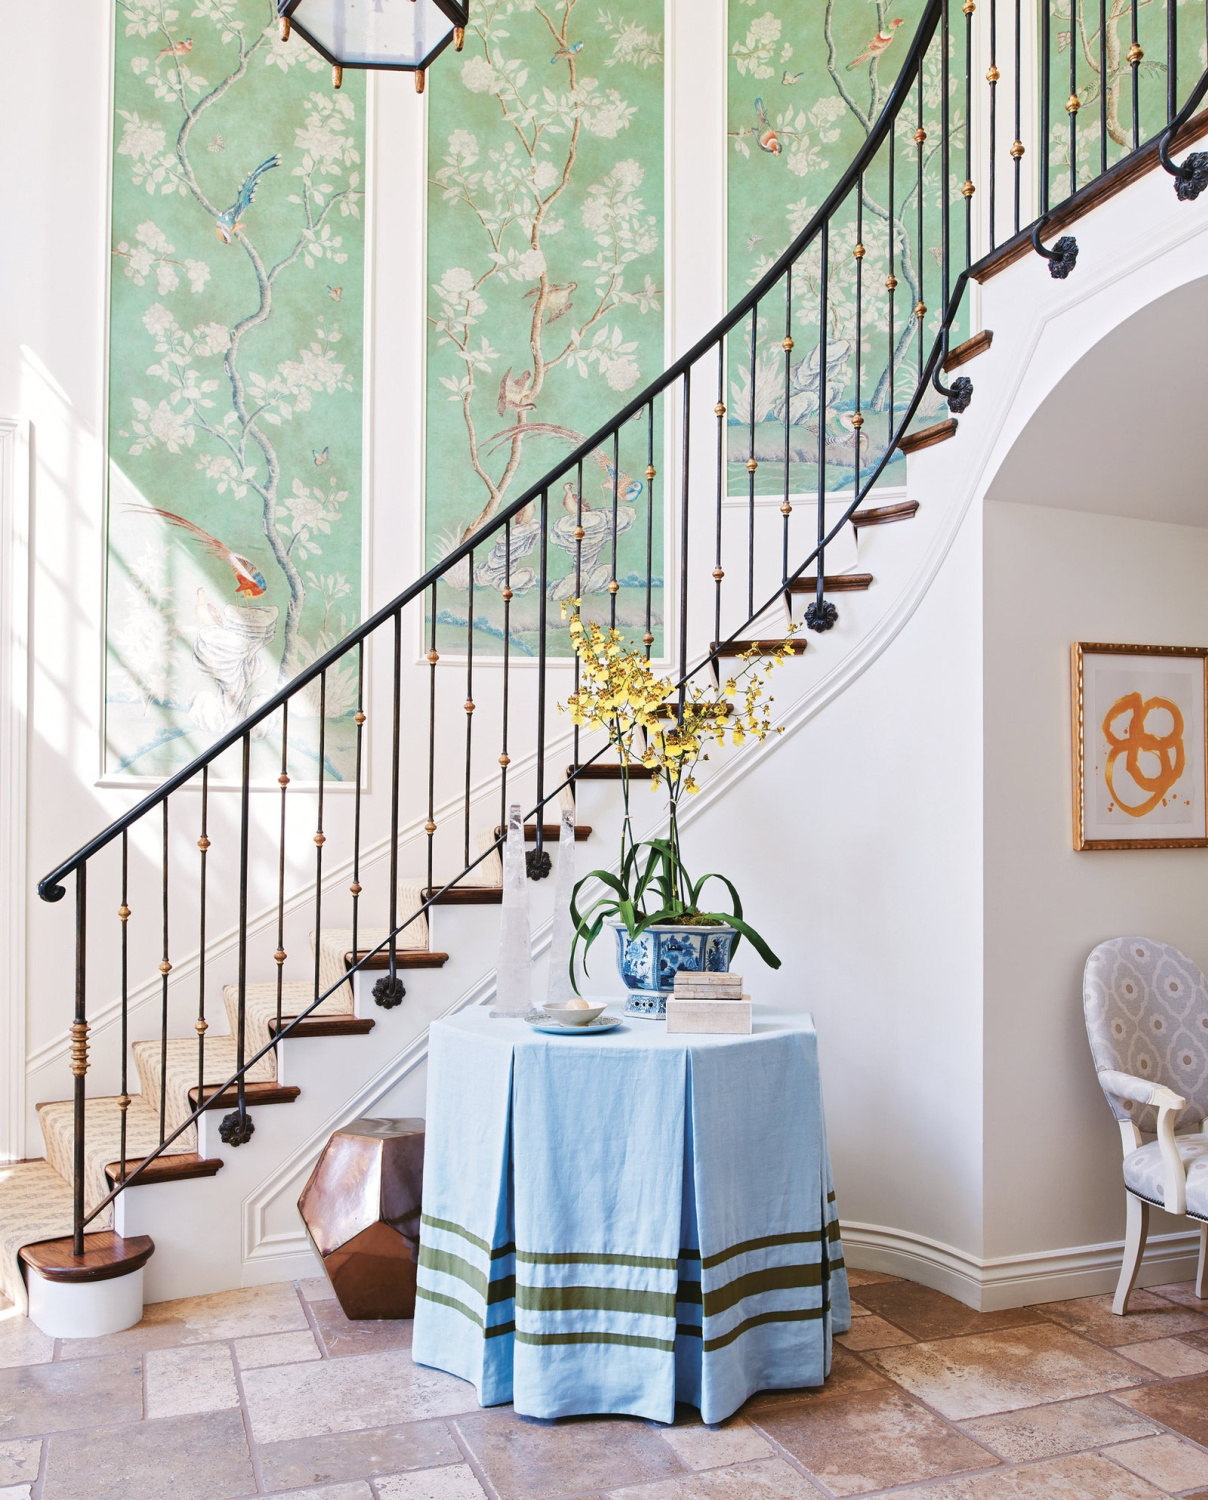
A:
[593,1028]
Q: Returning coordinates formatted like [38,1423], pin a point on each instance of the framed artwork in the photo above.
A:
[1139,746]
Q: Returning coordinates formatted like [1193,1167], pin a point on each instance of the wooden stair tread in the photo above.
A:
[404,958]
[927,437]
[970,349]
[166,1168]
[605,770]
[841,583]
[550,832]
[883,515]
[253,1093]
[324,1026]
[464,895]
[106,1255]
[736,648]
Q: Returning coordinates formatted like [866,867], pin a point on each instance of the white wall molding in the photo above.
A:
[15,512]
[1013,1280]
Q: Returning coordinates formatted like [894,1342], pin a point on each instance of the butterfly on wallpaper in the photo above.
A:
[336,293]
[321,456]
[753,240]
[789,79]
[218,143]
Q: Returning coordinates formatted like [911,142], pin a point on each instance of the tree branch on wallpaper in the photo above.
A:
[267,357]
[534,175]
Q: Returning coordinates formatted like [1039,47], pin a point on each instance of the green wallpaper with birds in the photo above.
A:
[235,385]
[805,84]
[545,310]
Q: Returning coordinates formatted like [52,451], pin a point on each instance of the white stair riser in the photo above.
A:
[85,1309]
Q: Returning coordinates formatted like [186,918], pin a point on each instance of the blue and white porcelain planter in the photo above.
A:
[648,964]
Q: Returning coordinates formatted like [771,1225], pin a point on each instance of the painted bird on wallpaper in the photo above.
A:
[571,503]
[768,139]
[557,298]
[176,49]
[514,394]
[628,489]
[230,221]
[249,580]
[571,51]
[877,45]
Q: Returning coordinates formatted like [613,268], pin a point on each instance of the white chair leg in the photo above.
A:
[1201,1275]
[1135,1234]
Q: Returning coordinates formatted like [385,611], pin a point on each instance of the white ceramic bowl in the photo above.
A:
[573,1015]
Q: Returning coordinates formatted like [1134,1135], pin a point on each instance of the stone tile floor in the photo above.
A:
[272,1391]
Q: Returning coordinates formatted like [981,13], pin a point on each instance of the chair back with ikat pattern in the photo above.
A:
[1146,1007]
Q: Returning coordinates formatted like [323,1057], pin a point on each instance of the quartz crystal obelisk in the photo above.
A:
[514,971]
[560,987]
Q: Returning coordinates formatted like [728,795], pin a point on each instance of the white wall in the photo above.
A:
[1052,577]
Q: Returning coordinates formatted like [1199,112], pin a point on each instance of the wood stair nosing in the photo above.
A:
[604,770]
[253,1093]
[324,1026]
[736,648]
[841,583]
[166,1168]
[550,832]
[405,958]
[884,515]
[464,895]
[105,1256]
[970,349]
[927,437]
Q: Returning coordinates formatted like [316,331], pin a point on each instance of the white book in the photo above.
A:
[709,1017]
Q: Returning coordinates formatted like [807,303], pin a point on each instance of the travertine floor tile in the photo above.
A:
[928,1314]
[1182,1292]
[199,1377]
[23,1343]
[1182,1405]
[867,1278]
[873,1333]
[701,1447]
[1083,1476]
[859,1312]
[848,1375]
[63,1397]
[1166,1461]
[456,1483]
[341,1395]
[180,1458]
[15,1492]
[190,1320]
[1169,1357]
[1149,1317]
[356,1455]
[988,1372]
[19,1461]
[357,1490]
[771,1480]
[316,1289]
[870,1441]
[343,1336]
[528,1460]
[1066,1427]
[275,1349]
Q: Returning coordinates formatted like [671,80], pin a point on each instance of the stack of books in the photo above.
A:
[709,1003]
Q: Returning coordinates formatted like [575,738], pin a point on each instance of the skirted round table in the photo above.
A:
[619,1222]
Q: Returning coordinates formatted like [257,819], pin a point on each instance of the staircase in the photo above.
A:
[205,1141]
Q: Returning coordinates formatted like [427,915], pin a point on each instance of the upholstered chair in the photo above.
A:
[1146,1007]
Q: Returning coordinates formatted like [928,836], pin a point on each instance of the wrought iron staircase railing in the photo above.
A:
[869,369]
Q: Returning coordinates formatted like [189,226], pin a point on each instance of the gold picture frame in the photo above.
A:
[1140,746]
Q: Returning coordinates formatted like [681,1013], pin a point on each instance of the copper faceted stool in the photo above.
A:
[361,1209]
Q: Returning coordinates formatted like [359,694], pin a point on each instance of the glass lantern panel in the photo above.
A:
[373,33]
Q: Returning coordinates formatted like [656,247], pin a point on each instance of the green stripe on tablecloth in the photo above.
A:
[631,1340]
[584,1257]
[492,1331]
[772,1279]
[799,1315]
[501,1290]
[594,1299]
[803,1237]
[474,1239]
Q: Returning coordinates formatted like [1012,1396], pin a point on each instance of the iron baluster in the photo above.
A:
[79,1058]
[1135,54]
[1017,146]
[719,411]
[388,991]
[967,186]
[469,704]
[504,758]
[359,720]
[237,1127]
[992,77]
[283,782]
[430,825]
[821,614]
[891,286]
[651,474]
[537,860]
[201,1026]
[1172,60]
[920,138]
[320,838]
[786,506]
[857,420]
[1046,83]
[685,455]
[165,968]
[1073,104]
[752,465]
[1103,82]
[123,913]
[616,507]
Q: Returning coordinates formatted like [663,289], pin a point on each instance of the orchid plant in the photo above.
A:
[668,734]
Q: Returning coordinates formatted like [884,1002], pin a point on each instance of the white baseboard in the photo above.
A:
[1014,1280]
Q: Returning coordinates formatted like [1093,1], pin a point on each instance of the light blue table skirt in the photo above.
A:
[612,1224]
